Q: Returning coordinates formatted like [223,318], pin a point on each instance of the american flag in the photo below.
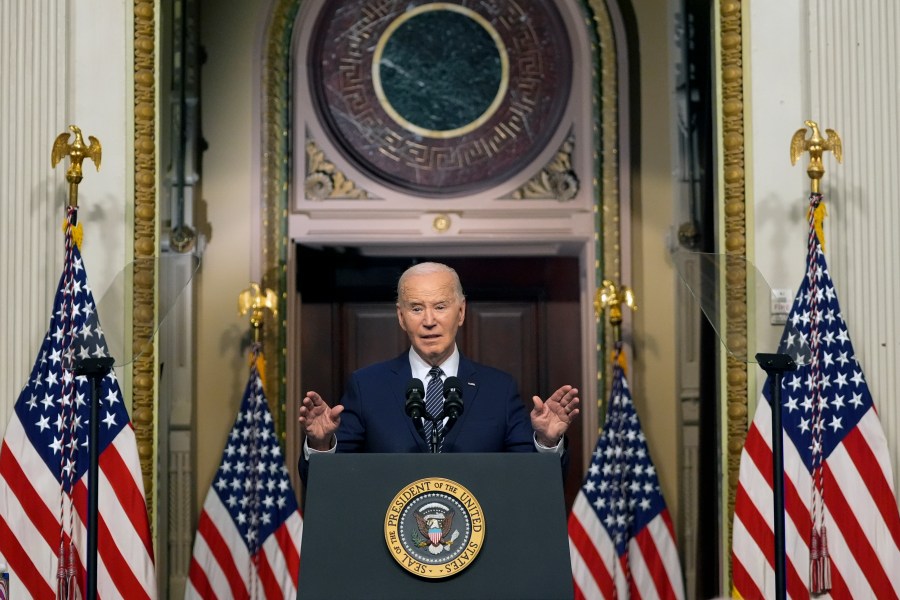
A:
[44,464]
[621,539]
[248,536]
[842,529]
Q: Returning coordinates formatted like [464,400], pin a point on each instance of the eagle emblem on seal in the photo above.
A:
[436,531]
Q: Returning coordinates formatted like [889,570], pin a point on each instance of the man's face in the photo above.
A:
[430,313]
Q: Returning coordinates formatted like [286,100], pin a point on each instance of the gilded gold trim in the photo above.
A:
[606,155]
[144,293]
[276,195]
[734,210]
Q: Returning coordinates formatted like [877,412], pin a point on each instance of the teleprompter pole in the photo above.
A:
[96,369]
[775,366]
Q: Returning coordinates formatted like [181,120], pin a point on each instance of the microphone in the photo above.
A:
[415,405]
[453,402]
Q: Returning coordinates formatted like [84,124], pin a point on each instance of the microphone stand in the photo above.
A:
[415,409]
[453,405]
[435,436]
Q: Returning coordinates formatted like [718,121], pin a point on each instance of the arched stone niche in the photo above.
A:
[548,108]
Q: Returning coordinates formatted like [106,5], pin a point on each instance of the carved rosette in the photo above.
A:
[324,180]
[732,77]
[143,301]
[556,181]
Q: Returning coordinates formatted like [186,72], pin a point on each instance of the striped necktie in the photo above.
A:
[434,403]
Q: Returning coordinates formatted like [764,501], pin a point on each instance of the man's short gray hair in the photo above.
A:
[427,268]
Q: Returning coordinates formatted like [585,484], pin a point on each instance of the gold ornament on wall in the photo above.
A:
[441,223]
[325,181]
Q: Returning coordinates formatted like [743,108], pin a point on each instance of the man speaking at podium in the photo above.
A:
[382,407]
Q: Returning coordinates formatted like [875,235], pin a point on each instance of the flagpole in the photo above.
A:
[777,364]
[275,528]
[94,368]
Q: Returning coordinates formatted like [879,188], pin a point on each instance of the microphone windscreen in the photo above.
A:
[452,385]
[415,385]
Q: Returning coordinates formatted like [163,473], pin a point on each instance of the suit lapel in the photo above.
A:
[468,376]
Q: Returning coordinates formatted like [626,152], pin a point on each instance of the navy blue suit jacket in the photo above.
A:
[374,418]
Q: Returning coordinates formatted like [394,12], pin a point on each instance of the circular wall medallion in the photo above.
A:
[439,98]
[434,528]
[421,91]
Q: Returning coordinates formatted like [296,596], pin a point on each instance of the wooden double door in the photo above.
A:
[522,316]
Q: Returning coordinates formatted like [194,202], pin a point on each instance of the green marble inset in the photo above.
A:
[440,70]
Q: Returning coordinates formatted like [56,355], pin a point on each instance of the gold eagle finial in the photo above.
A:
[613,296]
[816,145]
[77,151]
[254,300]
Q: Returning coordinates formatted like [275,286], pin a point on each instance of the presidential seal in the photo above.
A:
[434,528]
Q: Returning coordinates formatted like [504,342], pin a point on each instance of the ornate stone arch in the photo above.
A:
[607,57]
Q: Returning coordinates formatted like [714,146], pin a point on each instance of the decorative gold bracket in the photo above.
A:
[254,300]
[77,151]
[613,297]
[816,145]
